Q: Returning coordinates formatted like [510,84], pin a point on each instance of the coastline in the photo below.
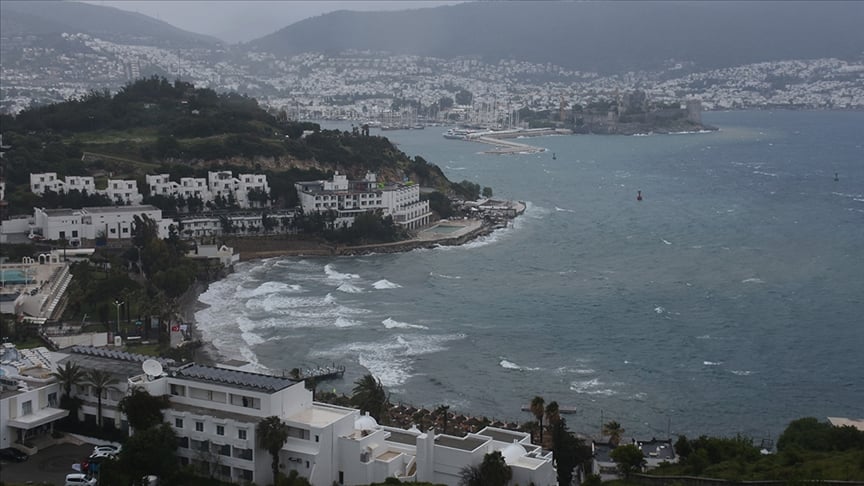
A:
[257,249]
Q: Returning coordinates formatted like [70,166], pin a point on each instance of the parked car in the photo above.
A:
[107,448]
[101,455]
[78,479]
[12,454]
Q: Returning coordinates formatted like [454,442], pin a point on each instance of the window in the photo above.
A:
[27,407]
[220,430]
[62,234]
[178,422]
[179,390]
[241,434]
[244,474]
[341,477]
[183,442]
[224,450]
[199,426]
[316,438]
[74,233]
[52,399]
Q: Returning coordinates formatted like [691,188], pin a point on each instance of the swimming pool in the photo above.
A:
[15,277]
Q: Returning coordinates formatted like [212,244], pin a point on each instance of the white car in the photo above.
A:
[102,455]
[78,479]
[107,448]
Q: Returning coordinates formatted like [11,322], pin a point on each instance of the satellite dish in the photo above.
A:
[152,367]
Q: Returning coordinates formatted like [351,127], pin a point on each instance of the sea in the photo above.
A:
[729,300]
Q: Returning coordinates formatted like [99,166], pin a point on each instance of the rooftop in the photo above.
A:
[240,379]
[320,415]
[463,443]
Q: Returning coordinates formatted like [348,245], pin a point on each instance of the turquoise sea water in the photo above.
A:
[730,300]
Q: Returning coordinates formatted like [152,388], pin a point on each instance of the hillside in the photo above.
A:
[602,36]
[153,126]
[51,18]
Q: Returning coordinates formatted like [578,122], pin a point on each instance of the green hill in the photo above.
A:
[153,126]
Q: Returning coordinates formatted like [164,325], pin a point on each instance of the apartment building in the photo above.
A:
[124,191]
[351,197]
[215,412]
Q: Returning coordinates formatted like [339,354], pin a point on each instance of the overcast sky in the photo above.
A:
[240,21]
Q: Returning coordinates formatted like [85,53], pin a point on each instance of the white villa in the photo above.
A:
[114,222]
[215,411]
[217,184]
[349,198]
[125,191]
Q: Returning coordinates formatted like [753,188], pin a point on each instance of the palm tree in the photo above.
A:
[100,381]
[272,434]
[68,376]
[369,395]
[553,414]
[614,430]
[441,413]
[537,408]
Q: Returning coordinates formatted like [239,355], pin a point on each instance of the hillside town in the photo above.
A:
[365,85]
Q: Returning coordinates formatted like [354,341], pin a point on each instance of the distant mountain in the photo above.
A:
[49,18]
[605,36]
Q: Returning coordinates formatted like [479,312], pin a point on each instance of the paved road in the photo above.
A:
[47,466]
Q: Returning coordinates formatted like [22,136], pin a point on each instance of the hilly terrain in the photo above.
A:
[590,36]
[52,18]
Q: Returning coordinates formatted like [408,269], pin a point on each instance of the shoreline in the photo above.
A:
[189,303]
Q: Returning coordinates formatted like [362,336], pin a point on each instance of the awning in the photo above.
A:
[40,417]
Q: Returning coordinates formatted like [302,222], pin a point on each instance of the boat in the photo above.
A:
[456,133]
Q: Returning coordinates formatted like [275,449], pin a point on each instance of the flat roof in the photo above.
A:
[503,435]
[402,438]
[843,421]
[121,209]
[319,416]
[463,443]
[241,379]
[61,212]
[108,360]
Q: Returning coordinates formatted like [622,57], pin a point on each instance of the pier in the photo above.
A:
[499,138]
[322,373]
[561,409]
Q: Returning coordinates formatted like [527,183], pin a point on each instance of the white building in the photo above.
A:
[112,222]
[215,412]
[29,396]
[246,184]
[124,191]
[349,198]
[48,181]
[160,185]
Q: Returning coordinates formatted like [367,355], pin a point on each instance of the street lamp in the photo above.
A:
[118,303]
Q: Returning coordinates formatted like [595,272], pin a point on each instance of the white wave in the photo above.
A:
[742,372]
[252,339]
[385,284]
[577,371]
[665,241]
[267,288]
[391,361]
[349,289]
[333,274]
[704,336]
[643,134]
[659,309]
[513,366]
[440,275]
[712,363]
[752,280]
[769,174]
[592,387]
[390,323]
[344,322]
[454,168]
[564,210]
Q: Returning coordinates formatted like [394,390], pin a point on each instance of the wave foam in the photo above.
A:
[564,210]
[349,289]
[742,372]
[592,387]
[712,363]
[439,275]
[385,284]
[509,365]
[334,275]
[752,280]
[389,323]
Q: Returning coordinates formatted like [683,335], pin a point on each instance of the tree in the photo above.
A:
[629,459]
[487,192]
[101,381]
[568,451]
[369,395]
[537,408]
[68,376]
[614,430]
[272,434]
[142,409]
[494,470]
[157,444]
[553,414]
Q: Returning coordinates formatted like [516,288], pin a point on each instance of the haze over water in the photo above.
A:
[729,300]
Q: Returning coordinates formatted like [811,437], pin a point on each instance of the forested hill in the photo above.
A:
[153,125]
[606,36]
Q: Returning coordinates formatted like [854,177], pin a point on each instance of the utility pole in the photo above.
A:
[118,303]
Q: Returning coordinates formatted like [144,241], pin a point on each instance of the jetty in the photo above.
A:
[503,145]
[321,373]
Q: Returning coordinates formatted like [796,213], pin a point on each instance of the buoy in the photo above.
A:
[554,157]
[639,196]
[836,177]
